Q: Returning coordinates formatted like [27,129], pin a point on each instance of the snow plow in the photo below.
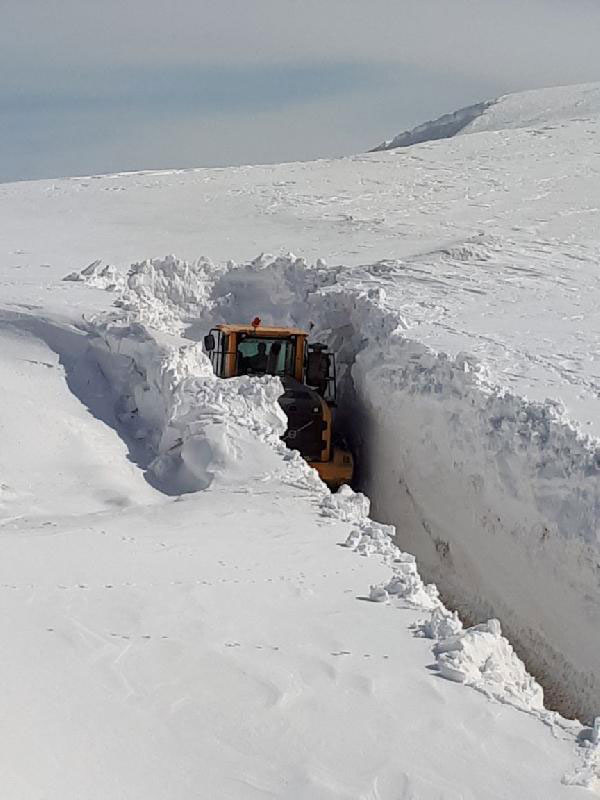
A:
[308,374]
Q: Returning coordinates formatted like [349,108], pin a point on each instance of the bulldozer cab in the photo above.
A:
[259,350]
[256,350]
[308,375]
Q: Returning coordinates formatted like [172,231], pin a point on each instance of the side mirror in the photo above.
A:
[209,343]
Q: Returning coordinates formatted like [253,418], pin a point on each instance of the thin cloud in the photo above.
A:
[500,38]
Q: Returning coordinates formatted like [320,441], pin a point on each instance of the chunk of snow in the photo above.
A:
[441,624]
[378,594]
[98,276]
[481,657]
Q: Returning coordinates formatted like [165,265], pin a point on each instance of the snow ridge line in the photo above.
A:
[536,109]
[184,411]
[443,127]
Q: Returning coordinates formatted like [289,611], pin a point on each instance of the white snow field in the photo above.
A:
[187,611]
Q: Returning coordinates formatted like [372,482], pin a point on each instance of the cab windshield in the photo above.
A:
[261,355]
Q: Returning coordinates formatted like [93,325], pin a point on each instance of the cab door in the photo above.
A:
[221,349]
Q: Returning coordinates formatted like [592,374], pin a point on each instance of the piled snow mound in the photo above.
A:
[481,657]
[160,292]
[218,428]
[193,427]
[533,109]
[407,585]
[98,276]
[440,624]
[353,507]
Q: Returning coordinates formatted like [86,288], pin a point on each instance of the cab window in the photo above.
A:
[261,355]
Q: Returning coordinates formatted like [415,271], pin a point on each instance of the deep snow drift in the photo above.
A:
[465,298]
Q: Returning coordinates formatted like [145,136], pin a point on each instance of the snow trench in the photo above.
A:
[497,497]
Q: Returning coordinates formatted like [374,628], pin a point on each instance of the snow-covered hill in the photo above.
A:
[539,108]
[179,618]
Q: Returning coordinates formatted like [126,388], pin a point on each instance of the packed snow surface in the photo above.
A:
[186,606]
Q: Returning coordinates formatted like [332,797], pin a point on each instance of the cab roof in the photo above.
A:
[262,330]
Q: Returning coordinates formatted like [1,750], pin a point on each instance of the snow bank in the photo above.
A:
[370,538]
[192,426]
[441,624]
[539,108]
[160,292]
[587,771]
[480,656]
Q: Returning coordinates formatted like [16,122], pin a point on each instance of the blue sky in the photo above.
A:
[89,87]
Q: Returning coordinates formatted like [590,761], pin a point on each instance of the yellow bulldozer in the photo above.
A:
[308,374]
